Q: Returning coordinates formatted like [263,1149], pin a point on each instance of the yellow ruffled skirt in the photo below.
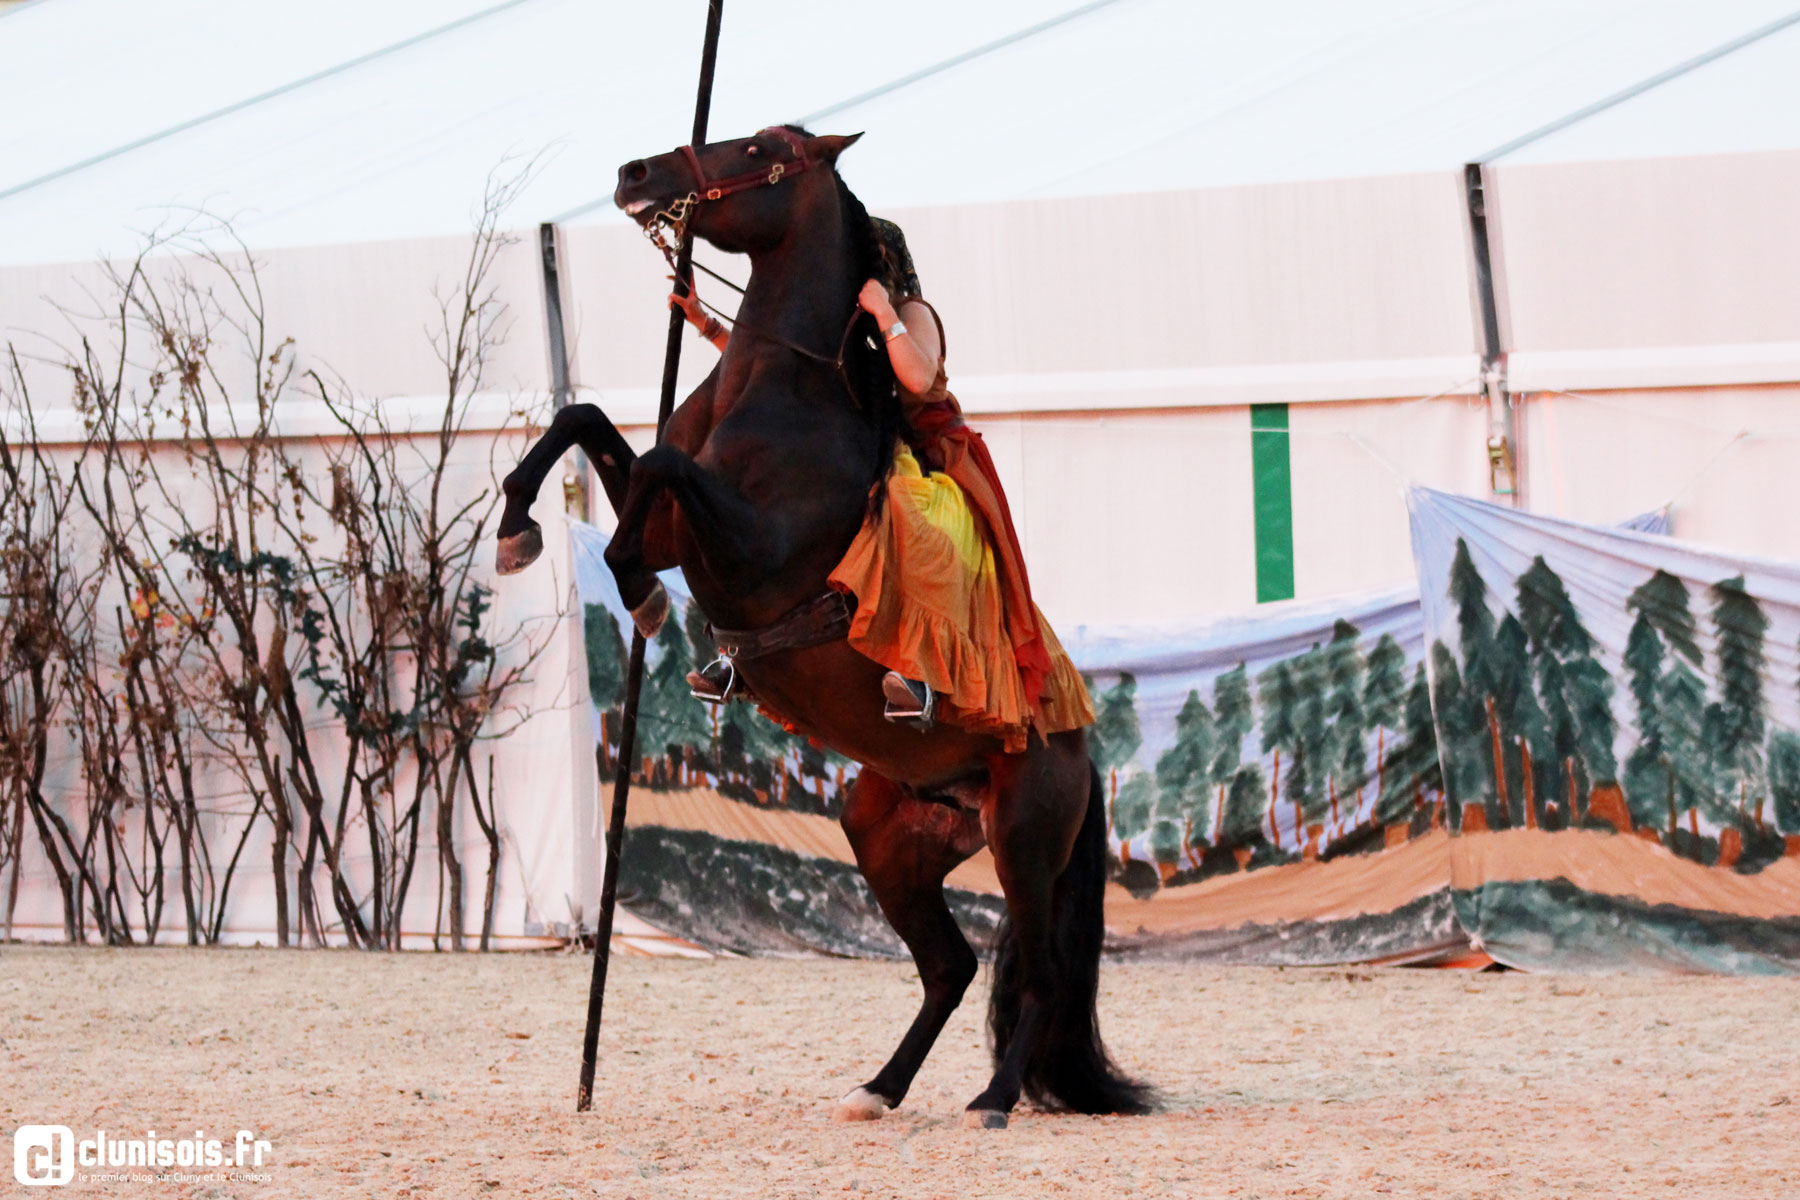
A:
[930,604]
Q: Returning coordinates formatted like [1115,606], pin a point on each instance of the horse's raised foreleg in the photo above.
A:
[733,533]
[584,425]
[904,848]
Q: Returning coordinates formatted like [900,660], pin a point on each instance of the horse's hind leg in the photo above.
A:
[1046,824]
[584,425]
[905,847]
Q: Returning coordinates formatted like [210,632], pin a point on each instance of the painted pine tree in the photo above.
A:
[1573,687]
[1167,840]
[1239,784]
[1346,747]
[670,715]
[605,656]
[1246,808]
[1412,775]
[1384,702]
[1672,771]
[1522,726]
[1469,725]
[1134,809]
[606,672]
[1307,771]
[1465,763]
[700,639]
[745,739]
[1279,697]
[1736,722]
[1648,780]
[1184,773]
[1784,781]
[1115,734]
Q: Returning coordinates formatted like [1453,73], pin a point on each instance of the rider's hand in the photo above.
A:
[689,306]
[874,300]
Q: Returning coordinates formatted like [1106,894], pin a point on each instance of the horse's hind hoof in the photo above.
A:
[860,1105]
[983,1118]
[519,551]
[650,615]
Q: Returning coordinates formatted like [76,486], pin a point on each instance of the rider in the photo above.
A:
[965,629]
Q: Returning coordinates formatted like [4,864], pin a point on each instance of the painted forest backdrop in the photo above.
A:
[1282,786]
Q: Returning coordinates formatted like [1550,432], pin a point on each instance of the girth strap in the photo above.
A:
[824,618]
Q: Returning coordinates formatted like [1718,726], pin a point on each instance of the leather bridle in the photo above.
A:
[718,189]
[680,211]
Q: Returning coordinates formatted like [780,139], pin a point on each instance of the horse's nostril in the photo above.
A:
[635,171]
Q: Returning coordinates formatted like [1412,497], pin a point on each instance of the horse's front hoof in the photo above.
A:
[519,551]
[860,1105]
[650,615]
[983,1118]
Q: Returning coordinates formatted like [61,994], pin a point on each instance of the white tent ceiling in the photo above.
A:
[332,121]
[1745,101]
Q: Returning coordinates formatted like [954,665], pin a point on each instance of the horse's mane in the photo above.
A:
[866,362]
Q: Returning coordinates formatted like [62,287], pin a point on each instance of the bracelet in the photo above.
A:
[711,329]
[893,331]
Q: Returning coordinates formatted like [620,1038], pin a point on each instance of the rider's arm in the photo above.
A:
[711,328]
[916,352]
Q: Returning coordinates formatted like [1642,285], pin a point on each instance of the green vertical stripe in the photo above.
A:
[1272,481]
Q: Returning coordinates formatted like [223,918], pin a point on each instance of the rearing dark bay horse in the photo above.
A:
[762,479]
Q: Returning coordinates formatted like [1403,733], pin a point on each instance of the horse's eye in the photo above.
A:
[752,150]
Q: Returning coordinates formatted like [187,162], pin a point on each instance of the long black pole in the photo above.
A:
[634,672]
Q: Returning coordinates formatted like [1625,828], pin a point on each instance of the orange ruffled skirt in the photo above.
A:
[931,603]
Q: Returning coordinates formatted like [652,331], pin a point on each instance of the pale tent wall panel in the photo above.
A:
[370,311]
[543,766]
[363,315]
[33,303]
[616,318]
[1646,255]
[1305,290]
[1135,517]
[1724,456]
[1351,464]
[1278,273]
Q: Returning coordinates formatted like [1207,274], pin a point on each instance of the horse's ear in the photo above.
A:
[827,146]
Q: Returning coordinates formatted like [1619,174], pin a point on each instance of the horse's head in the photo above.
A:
[743,195]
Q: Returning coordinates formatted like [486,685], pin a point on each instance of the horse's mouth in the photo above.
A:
[637,206]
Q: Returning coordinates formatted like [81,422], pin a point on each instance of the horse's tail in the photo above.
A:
[1070,1068]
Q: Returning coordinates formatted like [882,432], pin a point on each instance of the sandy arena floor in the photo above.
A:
[431,1075]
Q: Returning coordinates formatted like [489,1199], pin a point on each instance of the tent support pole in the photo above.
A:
[634,673]
[1503,430]
[577,499]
